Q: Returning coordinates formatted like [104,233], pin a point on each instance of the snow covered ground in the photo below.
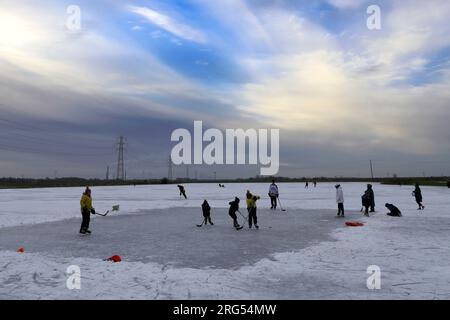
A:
[303,253]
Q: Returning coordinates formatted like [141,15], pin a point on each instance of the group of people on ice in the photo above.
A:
[367,199]
[251,218]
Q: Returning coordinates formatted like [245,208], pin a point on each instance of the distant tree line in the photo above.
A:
[10,183]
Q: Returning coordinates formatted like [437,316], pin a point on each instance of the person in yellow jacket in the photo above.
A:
[251,208]
[86,210]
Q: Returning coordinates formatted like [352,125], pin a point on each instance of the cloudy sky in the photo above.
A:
[340,94]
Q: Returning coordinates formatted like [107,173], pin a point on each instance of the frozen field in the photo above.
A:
[304,252]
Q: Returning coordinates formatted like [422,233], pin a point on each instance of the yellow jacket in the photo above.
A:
[252,203]
[86,203]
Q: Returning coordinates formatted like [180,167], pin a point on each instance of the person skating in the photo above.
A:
[340,200]
[86,210]
[182,191]
[206,213]
[234,207]
[251,207]
[371,197]
[252,218]
[248,200]
[306,185]
[393,210]
[417,193]
[315,183]
[273,194]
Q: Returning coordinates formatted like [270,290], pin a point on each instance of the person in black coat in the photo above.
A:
[417,193]
[365,203]
[182,191]
[206,209]
[371,197]
[393,210]
[234,207]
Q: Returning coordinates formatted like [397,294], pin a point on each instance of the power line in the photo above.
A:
[6,147]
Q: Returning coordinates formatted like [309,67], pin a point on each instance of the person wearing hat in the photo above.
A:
[370,198]
[206,209]
[251,208]
[86,210]
[340,200]
[248,200]
[234,207]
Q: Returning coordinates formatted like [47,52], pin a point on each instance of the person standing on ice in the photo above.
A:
[206,213]
[273,194]
[340,200]
[86,210]
[365,203]
[306,185]
[248,198]
[234,207]
[251,207]
[370,198]
[417,193]
[182,191]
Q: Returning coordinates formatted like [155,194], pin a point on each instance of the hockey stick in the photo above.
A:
[200,225]
[243,216]
[103,215]
[281,207]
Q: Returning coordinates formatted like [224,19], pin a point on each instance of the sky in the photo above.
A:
[340,94]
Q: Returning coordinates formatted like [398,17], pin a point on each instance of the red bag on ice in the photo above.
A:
[114,258]
[354,224]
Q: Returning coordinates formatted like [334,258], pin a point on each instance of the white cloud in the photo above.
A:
[330,95]
[169,24]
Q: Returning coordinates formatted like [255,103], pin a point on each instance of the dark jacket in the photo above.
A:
[206,209]
[371,196]
[418,194]
[365,199]
[394,211]
[234,206]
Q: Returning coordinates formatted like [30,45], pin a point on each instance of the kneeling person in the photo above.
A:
[393,210]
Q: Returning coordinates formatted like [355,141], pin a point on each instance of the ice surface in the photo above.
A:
[307,252]
[170,236]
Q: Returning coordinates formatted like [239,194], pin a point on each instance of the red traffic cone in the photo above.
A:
[21,250]
[114,258]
